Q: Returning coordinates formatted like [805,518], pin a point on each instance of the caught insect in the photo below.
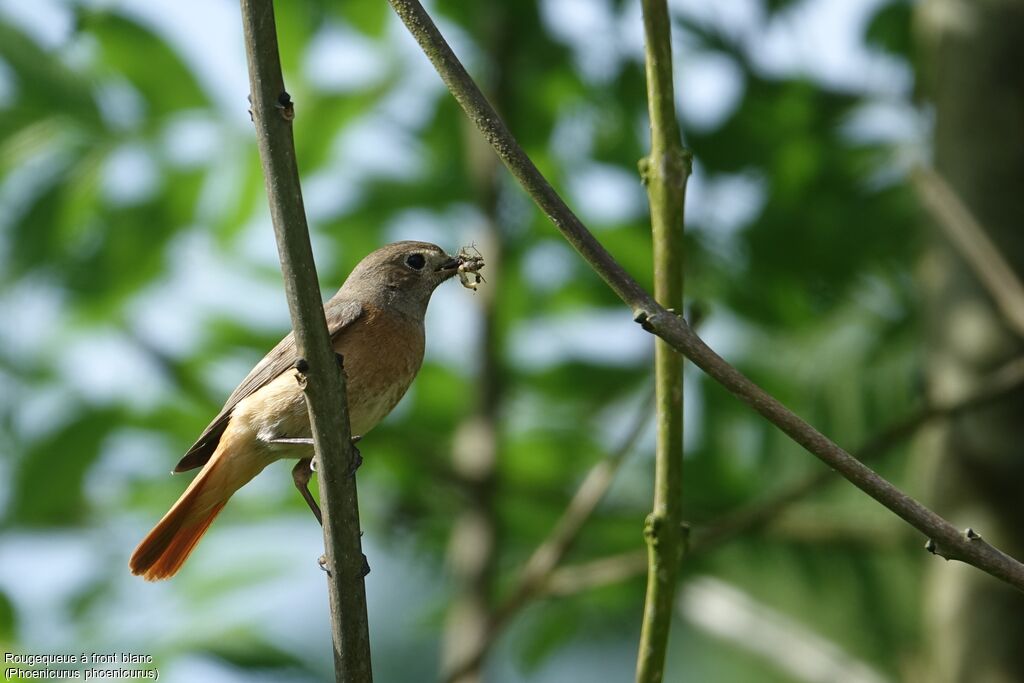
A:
[469,268]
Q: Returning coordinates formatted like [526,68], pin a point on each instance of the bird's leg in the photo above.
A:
[301,474]
[304,468]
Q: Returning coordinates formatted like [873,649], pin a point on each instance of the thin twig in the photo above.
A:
[604,571]
[664,172]
[587,575]
[324,383]
[971,239]
[567,529]
[533,579]
[944,538]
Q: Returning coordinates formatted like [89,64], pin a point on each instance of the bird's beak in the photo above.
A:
[451,264]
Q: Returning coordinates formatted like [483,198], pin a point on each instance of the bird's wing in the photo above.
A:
[281,358]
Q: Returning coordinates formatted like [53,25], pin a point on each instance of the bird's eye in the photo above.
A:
[416,261]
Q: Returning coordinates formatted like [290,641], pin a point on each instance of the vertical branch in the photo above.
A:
[664,173]
[324,384]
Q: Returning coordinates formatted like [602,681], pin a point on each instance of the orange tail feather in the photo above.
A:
[164,549]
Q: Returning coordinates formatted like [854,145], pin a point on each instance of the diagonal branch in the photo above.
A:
[587,575]
[324,383]
[999,385]
[944,539]
[971,239]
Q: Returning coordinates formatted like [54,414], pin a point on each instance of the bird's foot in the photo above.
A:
[357,460]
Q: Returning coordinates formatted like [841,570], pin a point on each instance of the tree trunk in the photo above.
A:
[974,58]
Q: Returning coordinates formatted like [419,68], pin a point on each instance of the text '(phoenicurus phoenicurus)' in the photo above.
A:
[376,325]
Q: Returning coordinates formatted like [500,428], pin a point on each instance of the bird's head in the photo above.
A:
[401,275]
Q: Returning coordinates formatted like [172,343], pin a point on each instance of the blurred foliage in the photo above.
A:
[139,284]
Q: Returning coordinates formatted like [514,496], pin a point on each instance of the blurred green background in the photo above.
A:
[140,282]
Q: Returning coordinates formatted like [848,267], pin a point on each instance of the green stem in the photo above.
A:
[272,114]
[665,173]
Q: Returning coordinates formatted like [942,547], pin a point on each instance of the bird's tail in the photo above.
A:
[164,549]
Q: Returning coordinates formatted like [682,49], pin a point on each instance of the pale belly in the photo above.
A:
[375,382]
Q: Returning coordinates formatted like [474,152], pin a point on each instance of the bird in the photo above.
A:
[376,325]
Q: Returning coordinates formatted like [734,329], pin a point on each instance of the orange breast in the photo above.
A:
[382,352]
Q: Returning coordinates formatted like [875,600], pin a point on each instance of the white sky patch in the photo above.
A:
[451,228]
[607,337]
[549,265]
[130,175]
[212,47]
[453,325]
[31,308]
[47,21]
[371,146]
[330,191]
[588,27]
[201,283]
[104,366]
[719,207]
[224,373]
[412,102]
[226,178]
[890,121]
[605,194]
[125,457]
[257,245]
[710,87]
[339,59]
[42,410]
[735,18]
[902,130]
[42,572]
[819,39]
[191,139]
[734,616]
[120,104]
[729,335]
[572,137]
[823,39]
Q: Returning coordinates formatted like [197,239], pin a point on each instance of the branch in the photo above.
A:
[944,539]
[604,571]
[997,386]
[664,173]
[966,233]
[595,573]
[323,382]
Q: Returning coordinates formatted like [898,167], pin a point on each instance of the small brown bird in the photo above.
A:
[376,325]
